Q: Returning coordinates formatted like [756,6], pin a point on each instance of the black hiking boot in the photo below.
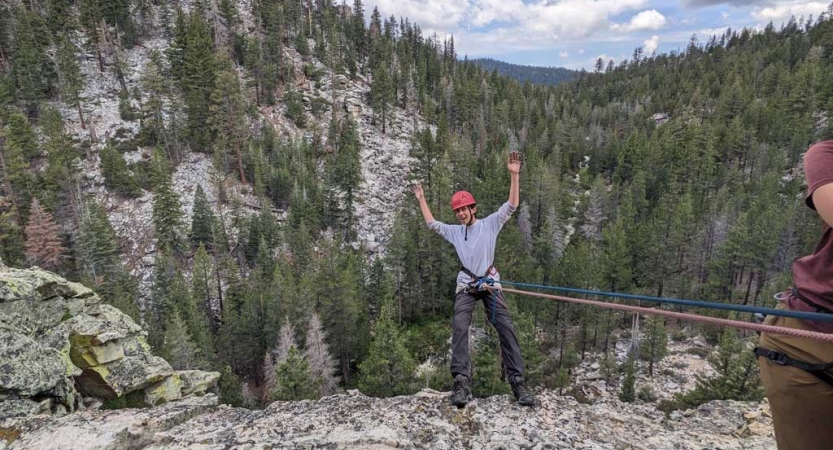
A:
[461,393]
[522,394]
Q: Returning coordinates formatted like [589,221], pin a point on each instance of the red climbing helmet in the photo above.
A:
[461,199]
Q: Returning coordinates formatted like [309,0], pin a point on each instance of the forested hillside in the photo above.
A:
[533,74]
[675,175]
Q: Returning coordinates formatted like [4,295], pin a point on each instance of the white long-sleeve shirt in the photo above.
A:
[475,246]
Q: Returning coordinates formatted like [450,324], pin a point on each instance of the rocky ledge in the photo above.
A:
[425,420]
[62,349]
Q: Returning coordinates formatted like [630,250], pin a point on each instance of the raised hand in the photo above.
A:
[418,191]
[514,164]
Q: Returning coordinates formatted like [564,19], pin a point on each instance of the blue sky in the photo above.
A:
[575,33]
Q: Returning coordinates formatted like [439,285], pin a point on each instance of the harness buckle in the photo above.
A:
[777,358]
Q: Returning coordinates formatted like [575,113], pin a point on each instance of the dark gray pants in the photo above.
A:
[460,354]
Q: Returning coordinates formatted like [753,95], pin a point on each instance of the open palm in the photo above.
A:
[514,164]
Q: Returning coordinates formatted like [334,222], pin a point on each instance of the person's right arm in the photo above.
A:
[440,228]
[423,205]
[818,168]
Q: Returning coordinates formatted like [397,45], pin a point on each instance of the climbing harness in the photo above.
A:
[817,370]
[483,284]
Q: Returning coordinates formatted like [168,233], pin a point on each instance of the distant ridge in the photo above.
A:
[534,74]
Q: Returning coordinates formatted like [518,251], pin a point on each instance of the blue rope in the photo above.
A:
[818,317]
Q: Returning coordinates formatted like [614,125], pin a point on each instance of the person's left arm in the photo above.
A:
[514,166]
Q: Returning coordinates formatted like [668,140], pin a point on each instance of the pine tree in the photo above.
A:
[197,78]
[12,248]
[382,94]
[167,212]
[285,342]
[323,366]
[594,215]
[97,247]
[193,317]
[486,368]
[204,285]
[230,388]
[228,113]
[61,175]
[628,391]
[358,31]
[655,345]
[32,70]
[736,376]
[293,380]
[43,242]
[268,369]
[178,347]
[202,221]
[154,85]
[344,171]
[389,368]
[117,176]
[16,151]
[617,260]
[72,81]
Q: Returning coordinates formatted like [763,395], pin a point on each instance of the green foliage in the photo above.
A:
[389,367]
[295,109]
[178,347]
[193,65]
[537,75]
[230,388]
[98,261]
[428,341]
[736,376]
[487,377]
[203,221]
[167,211]
[654,346]
[293,379]
[117,176]
[628,390]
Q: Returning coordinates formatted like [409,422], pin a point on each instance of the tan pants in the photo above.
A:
[802,405]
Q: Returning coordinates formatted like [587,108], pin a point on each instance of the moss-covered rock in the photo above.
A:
[57,339]
[165,391]
[197,382]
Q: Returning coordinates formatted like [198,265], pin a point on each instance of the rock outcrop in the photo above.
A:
[62,349]
[426,420]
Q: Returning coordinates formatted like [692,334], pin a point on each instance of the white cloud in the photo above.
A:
[782,13]
[581,51]
[724,15]
[650,45]
[490,26]
[645,20]
[430,15]
[564,54]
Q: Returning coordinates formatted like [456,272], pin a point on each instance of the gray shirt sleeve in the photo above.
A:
[498,218]
[443,229]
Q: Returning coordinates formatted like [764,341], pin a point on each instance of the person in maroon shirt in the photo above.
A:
[794,370]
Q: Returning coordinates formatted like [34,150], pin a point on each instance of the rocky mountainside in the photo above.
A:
[63,350]
[426,420]
[385,155]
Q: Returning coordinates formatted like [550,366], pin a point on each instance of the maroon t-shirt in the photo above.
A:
[813,274]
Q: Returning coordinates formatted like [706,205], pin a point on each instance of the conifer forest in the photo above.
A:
[674,175]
